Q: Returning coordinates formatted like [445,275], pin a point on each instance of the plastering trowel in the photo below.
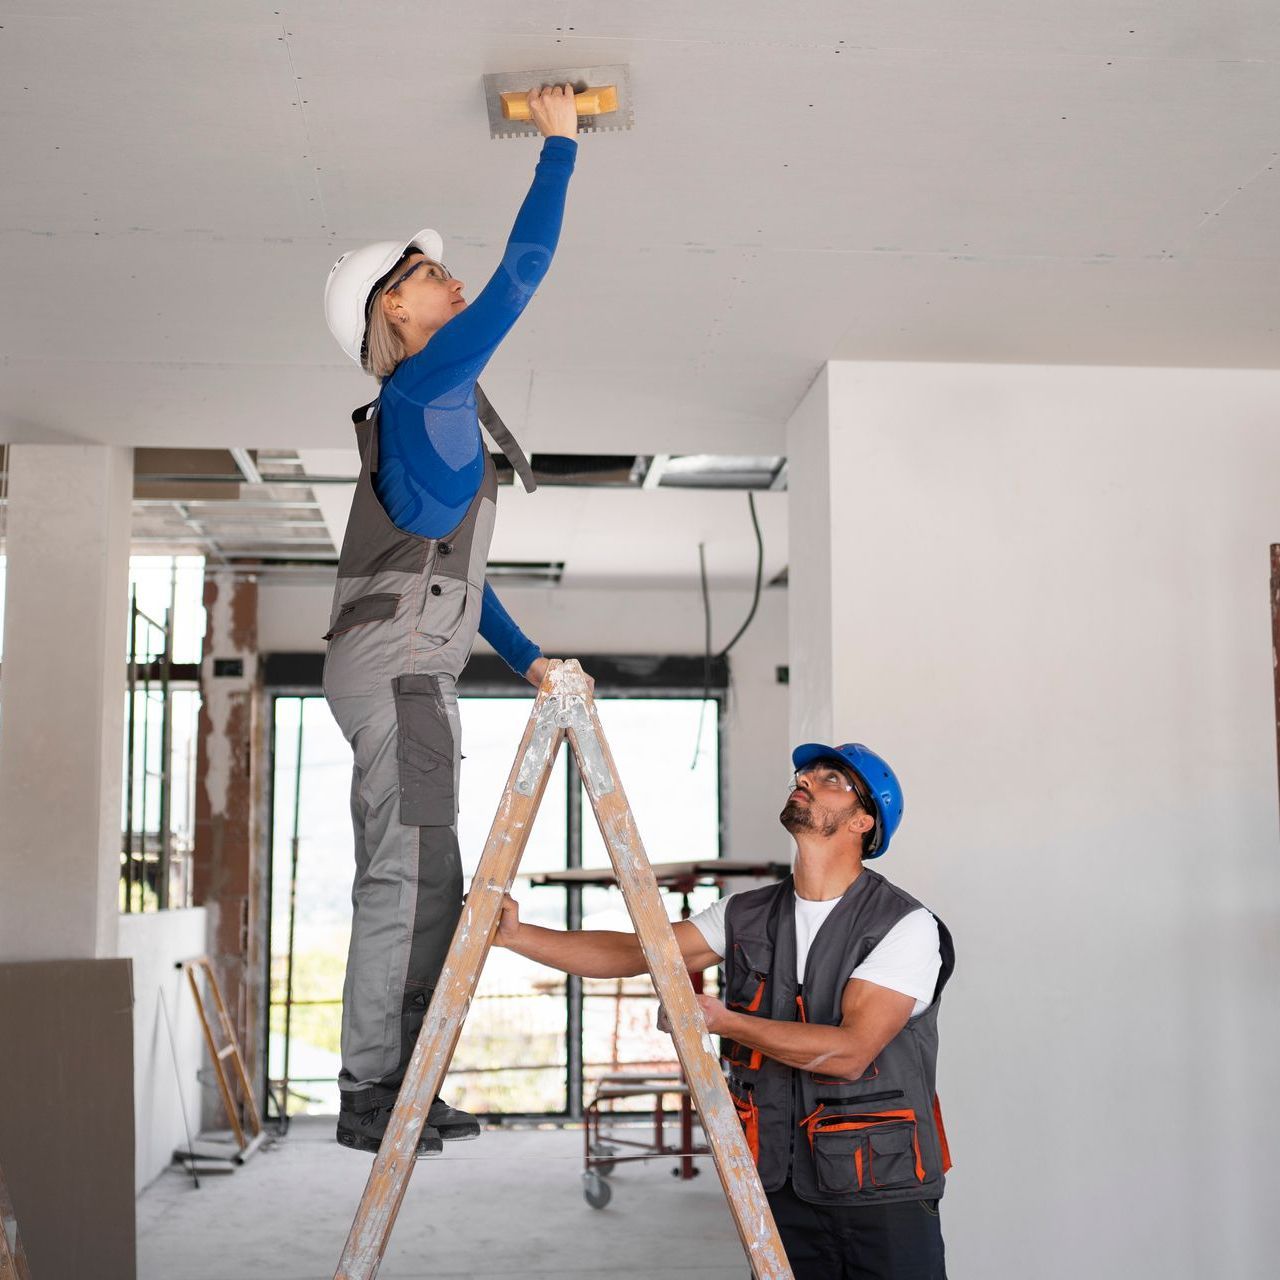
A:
[602,96]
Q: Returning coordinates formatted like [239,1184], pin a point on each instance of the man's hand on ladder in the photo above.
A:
[508,923]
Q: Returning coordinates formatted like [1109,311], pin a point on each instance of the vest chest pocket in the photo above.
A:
[745,982]
[866,1152]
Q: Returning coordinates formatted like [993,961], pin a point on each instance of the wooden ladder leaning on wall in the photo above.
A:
[249,1135]
[564,708]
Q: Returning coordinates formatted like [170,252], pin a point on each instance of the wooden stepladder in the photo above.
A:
[13,1258]
[220,1054]
[564,708]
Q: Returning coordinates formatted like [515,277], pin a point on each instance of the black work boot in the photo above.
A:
[363,1118]
[452,1124]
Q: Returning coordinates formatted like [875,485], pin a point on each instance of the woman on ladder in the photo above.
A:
[410,597]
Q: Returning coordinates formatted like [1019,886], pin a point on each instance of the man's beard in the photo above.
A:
[797,816]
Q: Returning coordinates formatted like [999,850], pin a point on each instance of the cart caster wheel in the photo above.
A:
[600,1162]
[595,1190]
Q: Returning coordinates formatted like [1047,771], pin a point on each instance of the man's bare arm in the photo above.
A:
[594,953]
[870,1017]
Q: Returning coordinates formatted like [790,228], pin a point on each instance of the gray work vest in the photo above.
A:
[425,593]
[840,1141]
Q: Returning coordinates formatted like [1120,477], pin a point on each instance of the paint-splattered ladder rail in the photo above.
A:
[249,1135]
[564,708]
[13,1258]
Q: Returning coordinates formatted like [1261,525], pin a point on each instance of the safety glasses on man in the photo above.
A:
[829,776]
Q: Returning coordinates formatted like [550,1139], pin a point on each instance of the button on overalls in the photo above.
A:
[405,614]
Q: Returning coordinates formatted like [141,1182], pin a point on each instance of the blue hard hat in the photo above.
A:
[875,775]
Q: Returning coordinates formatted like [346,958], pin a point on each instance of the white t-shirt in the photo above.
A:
[907,959]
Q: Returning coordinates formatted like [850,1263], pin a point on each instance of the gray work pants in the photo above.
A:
[407,894]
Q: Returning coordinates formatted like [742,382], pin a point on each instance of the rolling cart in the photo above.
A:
[603,1148]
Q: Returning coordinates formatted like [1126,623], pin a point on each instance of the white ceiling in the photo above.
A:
[1008,180]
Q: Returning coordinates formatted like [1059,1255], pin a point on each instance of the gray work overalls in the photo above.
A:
[405,613]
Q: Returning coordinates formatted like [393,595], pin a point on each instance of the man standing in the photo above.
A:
[832,982]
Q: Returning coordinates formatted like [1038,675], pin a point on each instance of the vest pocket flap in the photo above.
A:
[838,1158]
[890,1141]
[372,608]
[895,1158]
[836,1145]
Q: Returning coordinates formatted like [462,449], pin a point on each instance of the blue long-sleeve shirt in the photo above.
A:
[430,451]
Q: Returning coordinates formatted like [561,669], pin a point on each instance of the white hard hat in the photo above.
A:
[353,277]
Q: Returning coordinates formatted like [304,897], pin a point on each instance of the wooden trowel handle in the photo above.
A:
[590,102]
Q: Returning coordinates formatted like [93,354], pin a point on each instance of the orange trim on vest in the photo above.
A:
[942,1134]
[749,1116]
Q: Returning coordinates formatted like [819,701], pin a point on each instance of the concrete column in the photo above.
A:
[231,837]
[809,575]
[62,699]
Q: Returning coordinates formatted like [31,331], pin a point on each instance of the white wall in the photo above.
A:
[156,942]
[63,695]
[567,621]
[1058,631]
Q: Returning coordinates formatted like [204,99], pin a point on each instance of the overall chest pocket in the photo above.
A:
[444,610]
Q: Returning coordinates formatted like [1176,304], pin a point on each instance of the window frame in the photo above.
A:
[628,677]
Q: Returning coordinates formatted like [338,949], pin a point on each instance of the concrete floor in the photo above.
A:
[509,1204]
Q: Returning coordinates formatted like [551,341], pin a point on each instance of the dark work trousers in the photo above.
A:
[897,1240]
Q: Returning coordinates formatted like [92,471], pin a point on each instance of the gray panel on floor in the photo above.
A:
[66,1125]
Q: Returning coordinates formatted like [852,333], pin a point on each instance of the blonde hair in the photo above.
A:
[383,347]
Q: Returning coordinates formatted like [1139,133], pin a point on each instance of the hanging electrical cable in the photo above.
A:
[755,603]
[706,652]
[708,657]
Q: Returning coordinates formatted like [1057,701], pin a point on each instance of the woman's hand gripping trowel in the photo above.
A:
[602,98]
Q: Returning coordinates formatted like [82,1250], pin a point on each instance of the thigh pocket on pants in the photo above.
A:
[424,750]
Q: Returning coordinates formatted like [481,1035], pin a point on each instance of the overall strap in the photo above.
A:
[365,417]
[505,441]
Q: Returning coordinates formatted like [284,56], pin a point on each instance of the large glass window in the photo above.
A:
[157,820]
[513,1056]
